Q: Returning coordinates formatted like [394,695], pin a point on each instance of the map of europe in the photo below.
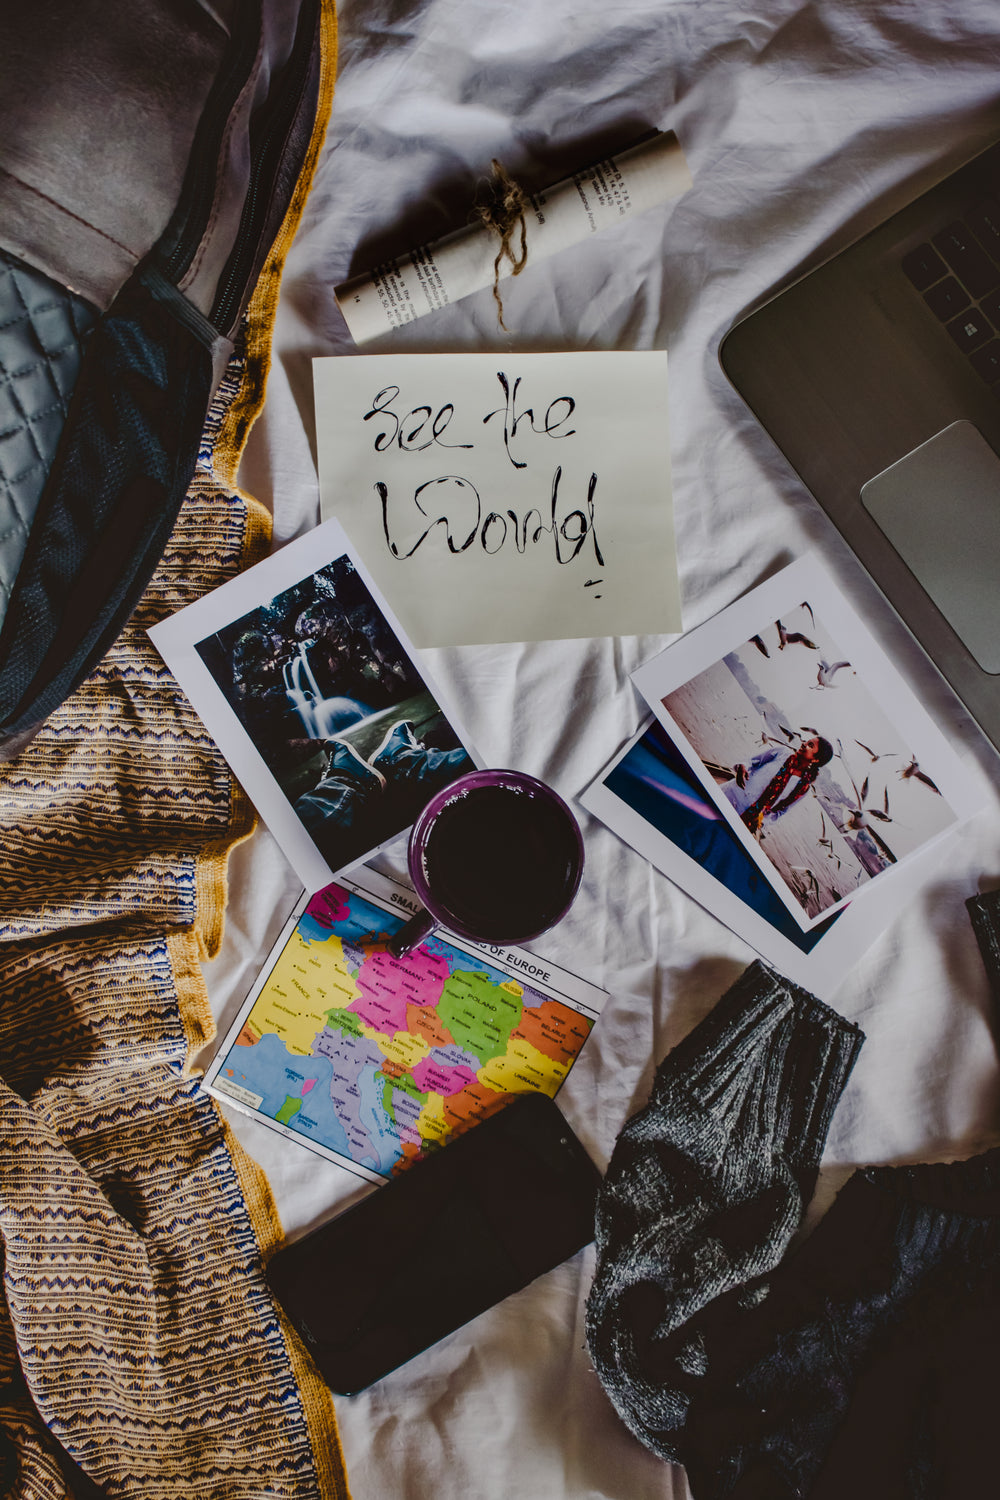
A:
[380,1059]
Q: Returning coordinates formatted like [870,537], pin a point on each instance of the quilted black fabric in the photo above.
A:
[43,328]
[111,499]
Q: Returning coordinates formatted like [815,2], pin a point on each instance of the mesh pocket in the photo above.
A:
[121,469]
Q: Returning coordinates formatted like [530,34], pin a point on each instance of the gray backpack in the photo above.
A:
[148,153]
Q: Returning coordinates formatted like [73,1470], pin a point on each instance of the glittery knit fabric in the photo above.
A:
[707,1185]
[867,1366]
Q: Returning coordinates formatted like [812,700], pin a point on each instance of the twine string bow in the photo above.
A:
[503,215]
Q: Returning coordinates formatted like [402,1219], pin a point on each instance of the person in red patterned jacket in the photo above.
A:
[775,780]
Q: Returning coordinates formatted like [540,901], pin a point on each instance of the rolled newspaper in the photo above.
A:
[426,278]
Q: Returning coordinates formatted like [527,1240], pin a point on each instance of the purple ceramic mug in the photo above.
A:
[496,857]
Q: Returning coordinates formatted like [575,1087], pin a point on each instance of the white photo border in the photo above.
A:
[824,967]
[177,638]
[705,646]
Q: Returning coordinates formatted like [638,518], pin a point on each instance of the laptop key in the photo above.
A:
[991,307]
[967,259]
[923,266]
[970,329]
[984,221]
[946,299]
[986,361]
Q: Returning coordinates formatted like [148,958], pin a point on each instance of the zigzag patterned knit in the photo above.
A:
[145,1336]
[139,1336]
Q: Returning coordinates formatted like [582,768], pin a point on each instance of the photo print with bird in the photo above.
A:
[809,759]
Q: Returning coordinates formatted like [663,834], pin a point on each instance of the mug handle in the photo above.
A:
[412,932]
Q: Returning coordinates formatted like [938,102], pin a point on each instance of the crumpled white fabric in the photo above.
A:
[803,123]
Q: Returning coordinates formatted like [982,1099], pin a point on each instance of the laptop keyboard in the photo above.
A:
[958,274]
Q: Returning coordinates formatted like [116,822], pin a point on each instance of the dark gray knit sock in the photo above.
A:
[707,1185]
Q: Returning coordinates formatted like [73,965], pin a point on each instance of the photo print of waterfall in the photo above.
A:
[336,709]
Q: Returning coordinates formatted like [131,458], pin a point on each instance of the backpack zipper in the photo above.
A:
[267,149]
[189,221]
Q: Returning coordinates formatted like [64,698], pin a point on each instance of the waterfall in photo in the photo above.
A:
[320,716]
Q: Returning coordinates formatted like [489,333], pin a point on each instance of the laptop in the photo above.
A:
[878,376]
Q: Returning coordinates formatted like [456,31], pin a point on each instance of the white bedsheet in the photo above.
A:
[802,123]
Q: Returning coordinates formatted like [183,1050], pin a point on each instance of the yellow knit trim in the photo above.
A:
[317,1403]
[242,412]
[212,873]
[245,409]
[261,1207]
[192,992]
[212,876]
[321,1419]
[199,1026]
[228,448]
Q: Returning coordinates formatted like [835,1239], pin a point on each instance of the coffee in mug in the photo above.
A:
[495,857]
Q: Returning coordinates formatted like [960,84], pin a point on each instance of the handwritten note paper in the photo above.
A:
[501,497]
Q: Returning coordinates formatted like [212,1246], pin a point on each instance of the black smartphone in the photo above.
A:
[456,1233]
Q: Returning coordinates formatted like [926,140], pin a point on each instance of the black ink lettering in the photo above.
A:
[454,503]
[405,432]
[385,438]
[507,409]
[521,539]
[493,516]
[586,526]
[437,430]
[550,426]
[459,495]
[512,418]
[580,535]
[591,504]
[408,435]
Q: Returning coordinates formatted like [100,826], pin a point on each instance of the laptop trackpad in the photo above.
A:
[940,508]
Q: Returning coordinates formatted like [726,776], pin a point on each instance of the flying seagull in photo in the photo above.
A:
[826,672]
[860,816]
[825,841]
[913,772]
[793,638]
[807,886]
[875,754]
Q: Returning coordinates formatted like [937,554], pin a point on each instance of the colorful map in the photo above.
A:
[378,1059]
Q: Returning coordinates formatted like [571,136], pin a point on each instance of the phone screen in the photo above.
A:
[511,1198]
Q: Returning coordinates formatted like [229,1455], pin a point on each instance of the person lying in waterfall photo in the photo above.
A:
[312,691]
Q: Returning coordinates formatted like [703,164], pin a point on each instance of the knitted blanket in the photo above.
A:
[140,1349]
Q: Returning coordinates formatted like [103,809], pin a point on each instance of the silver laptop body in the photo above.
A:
[878,376]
